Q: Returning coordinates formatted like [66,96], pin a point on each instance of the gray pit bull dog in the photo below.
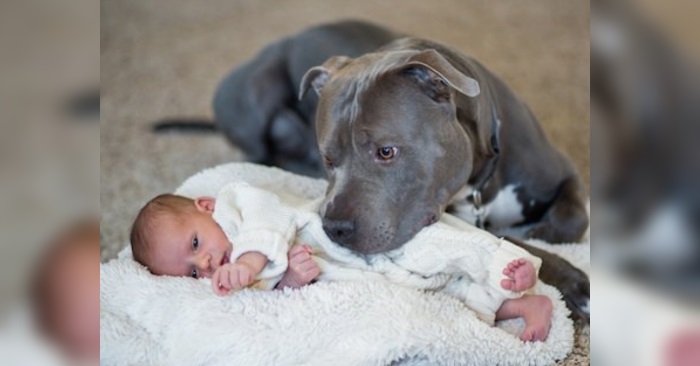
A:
[406,129]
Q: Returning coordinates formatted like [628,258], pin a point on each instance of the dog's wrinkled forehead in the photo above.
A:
[345,80]
[357,76]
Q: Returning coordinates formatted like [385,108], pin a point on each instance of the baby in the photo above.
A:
[178,236]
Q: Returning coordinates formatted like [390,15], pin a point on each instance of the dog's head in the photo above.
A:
[388,131]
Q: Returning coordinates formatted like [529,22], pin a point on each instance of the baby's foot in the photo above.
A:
[521,275]
[537,312]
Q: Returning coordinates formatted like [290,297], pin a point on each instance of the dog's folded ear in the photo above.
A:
[437,76]
[434,73]
[317,76]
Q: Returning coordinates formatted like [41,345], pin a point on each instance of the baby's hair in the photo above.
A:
[150,216]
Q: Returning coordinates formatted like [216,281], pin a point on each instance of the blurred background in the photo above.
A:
[49,179]
[645,116]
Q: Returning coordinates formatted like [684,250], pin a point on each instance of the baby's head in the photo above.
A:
[177,236]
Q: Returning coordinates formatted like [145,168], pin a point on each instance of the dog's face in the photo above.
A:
[395,153]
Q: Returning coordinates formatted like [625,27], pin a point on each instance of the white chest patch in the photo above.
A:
[505,209]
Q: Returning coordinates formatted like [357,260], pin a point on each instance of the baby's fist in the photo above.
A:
[302,268]
[232,276]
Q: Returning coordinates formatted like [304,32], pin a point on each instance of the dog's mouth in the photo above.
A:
[429,220]
[383,237]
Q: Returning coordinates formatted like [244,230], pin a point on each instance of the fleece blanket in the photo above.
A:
[145,319]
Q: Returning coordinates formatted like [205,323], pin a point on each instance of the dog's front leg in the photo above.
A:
[571,281]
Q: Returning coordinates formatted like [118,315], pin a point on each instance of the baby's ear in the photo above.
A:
[205,204]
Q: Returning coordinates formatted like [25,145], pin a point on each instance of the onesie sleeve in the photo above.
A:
[255,220]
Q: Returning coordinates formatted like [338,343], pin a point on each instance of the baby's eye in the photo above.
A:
[194,273]
[195,243]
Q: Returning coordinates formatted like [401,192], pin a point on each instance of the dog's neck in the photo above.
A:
[473,191]
[484,171]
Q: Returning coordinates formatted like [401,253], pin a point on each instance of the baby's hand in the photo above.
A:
[232,276]
[302,268]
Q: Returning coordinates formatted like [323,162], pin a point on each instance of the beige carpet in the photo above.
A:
[164,58]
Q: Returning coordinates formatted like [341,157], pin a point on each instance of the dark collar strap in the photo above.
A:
[487,171]
[489,167]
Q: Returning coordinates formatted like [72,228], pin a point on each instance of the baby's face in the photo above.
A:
[195,246]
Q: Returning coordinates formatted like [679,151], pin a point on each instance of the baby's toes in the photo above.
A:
[538,334]
[507,284]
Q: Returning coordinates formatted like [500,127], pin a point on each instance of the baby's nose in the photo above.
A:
[203,262]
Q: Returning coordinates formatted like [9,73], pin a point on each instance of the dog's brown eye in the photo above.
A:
[386,152]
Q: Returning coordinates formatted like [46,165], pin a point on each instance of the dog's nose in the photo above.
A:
[338,230]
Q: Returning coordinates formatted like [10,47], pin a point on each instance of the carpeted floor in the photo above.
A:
[164,58]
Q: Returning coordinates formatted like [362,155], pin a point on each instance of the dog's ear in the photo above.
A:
[434,73]
[318,76]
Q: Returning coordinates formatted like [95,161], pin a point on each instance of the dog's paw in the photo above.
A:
[572,282]
[575,288]
[578,300]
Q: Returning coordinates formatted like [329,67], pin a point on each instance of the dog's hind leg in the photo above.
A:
[249,100]
[292,142]
[566,220]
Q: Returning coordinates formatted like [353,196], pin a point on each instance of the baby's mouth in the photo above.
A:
[224,259]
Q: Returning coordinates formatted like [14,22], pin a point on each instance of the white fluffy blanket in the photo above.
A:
[152,320]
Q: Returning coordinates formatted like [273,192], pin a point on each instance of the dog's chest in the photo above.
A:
[503,211]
